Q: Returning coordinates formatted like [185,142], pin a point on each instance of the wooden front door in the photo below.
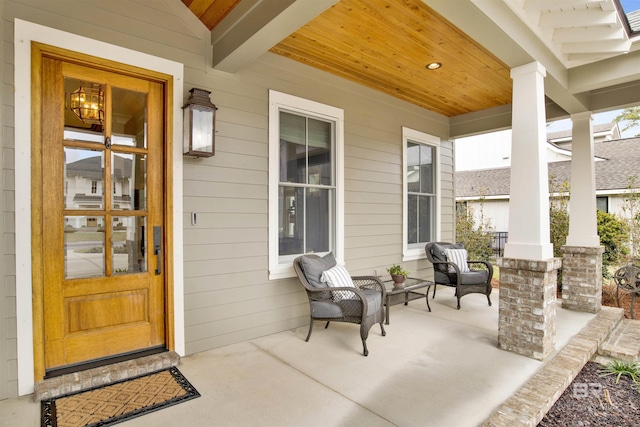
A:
[102,159]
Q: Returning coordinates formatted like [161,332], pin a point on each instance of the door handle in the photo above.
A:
[157,247]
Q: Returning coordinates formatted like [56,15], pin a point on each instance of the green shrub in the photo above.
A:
[614,236]
[477,239]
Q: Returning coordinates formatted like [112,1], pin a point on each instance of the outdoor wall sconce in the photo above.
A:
[199,124]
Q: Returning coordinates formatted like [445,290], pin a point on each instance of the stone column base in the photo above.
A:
[527,315]
[582,278]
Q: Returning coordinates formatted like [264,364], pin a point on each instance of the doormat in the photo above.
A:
[118,402]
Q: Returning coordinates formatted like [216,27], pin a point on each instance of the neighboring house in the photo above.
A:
[493,150]
[601,132]
[486,191]
[330,137]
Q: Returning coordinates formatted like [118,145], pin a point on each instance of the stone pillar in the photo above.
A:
[582,278]
[527,322]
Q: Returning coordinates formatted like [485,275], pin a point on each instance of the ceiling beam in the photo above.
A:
[255,26]
[617,70]
[578,18]
[580,34]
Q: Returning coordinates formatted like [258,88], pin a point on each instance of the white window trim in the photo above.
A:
[433,141]
[281,101]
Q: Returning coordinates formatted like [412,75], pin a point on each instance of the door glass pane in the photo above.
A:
[291,217]
[83,179]
[83,246]
[129,254]
[128,181]
[129,113]
[84,110]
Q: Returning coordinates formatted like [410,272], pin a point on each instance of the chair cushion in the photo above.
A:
[474,277]
[314,266]
[353,308]
[437,250]
[325,310]
[347,307]
[458,257]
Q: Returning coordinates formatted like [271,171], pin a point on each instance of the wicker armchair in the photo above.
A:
[362,304]
[448,273]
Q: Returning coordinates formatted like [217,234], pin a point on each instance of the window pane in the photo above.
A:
[129,181]
[420,219]
[320,166]
[291,215]
[129,118]
[426,169]
[129,254]
[293,136]
[83,246]
[426,218]
[413,167]
[319,214]
[83,185]
[84,111]
[412,218]
[602,204]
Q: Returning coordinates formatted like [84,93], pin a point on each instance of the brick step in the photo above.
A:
[84,380]
[623,342]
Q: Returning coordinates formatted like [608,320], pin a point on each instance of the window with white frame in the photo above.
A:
[305,181]
[421,191]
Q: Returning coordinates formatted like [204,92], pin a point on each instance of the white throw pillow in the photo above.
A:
[458,257]
[338,277]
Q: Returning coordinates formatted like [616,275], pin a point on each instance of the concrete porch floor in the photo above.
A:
[432,369]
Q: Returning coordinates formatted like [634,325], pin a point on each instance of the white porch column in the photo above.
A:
[582,254]
[529,200]
[583,224]
[528,271]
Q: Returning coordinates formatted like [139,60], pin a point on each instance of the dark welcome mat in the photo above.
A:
[117,402]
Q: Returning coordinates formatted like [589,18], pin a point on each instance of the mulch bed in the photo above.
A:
[596,400]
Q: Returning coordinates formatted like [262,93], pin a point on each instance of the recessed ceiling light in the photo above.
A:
[434,65]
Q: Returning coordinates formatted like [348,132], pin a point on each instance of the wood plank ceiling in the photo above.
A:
[386,45]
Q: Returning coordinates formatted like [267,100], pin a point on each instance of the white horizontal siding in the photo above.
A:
[373,197]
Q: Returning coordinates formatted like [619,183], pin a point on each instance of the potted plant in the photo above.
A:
[398,274]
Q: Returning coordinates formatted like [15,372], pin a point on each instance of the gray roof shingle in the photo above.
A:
[621,161]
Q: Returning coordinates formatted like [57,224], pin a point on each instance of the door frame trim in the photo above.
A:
[24,34]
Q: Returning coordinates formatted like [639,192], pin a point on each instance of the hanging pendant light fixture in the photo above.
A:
[87,102]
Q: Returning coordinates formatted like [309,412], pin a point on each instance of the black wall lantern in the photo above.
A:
[199,124]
